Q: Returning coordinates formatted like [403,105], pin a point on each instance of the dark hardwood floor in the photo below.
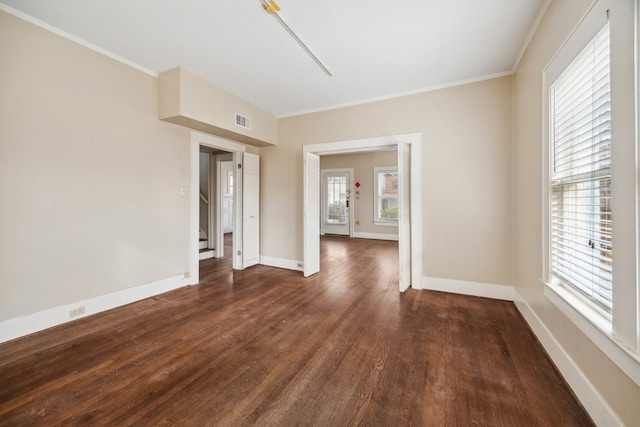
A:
[267,347]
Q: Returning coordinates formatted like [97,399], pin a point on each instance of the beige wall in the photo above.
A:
[189,100]
[90,179]
[466,170]
[616,388]
[363,204]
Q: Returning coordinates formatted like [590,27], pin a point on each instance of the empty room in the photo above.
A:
[286,213]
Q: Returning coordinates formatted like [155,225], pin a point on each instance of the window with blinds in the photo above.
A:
[580,181]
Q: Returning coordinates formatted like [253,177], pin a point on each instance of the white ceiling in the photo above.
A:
[374,48]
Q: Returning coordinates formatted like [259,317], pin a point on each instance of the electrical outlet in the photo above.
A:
[76,311]
[186,275]
[299,265]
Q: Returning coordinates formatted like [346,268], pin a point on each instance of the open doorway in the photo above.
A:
[409,153]
[245,183]
[216,201]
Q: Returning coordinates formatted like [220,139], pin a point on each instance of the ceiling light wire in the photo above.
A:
[272,9]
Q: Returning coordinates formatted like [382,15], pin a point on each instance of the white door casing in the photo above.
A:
[218,217]
[404,215]
[236,261]
[226,191]
[198,139]
[415,190]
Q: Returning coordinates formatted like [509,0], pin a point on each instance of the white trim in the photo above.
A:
[25,325]
[289,264]
[599,332]
[383,142]
[588,26]
[206,254]
[386,223]
[532,32]
[400,94]
[376,236]
[30,19]
[591,400]
[486,290]
[636,27]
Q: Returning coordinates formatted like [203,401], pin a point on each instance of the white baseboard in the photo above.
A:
[486,290]
[289,264]
[375,236]
[25,325]
[598,409]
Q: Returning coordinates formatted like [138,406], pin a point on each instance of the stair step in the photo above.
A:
[205,253]
[203,244]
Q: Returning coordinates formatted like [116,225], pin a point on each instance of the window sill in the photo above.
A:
[596,327]
[386,223]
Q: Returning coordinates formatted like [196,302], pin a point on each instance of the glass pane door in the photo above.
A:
[336,208]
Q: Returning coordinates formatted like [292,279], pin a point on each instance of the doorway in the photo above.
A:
[337,215]
[216,201]
[409,151]
[246,184]
[226,184]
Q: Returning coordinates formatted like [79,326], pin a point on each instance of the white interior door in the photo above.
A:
[226,183]
[311,232]
[336,195]
[213,229]
[404,215]
[217,183]
[250,210]
[237,212]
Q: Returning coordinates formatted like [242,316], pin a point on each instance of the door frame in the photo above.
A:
[324,195]
[376,144]
[196,140]
[211,230]
[218,159]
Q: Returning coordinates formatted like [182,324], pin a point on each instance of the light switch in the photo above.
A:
[183,192]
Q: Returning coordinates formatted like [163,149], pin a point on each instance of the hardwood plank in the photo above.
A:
[266,347]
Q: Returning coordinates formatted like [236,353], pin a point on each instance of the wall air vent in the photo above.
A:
[242,121]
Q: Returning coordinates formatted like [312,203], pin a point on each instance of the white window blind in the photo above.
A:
[580,119]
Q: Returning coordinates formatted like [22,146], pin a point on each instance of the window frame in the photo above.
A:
[576,176]
[617,335]
[377,219]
